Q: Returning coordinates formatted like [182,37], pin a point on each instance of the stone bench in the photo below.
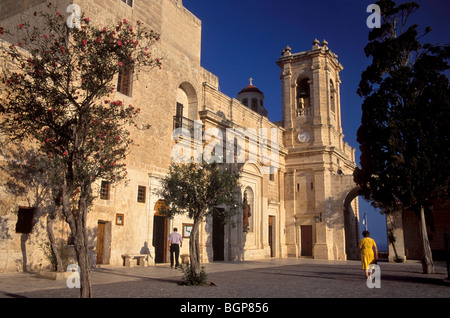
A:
[184,258]
[128,259]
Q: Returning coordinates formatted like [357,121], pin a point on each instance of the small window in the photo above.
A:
[25,220]
[141,194]
[254,104]
[272,176]
[125,81]
[332,94]
[129,2]
[104,190]
[245,101]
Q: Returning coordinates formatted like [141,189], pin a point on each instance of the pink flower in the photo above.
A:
[120,64]
[65,153]
[119,43]
[125,21]
[84,42]
[58,13]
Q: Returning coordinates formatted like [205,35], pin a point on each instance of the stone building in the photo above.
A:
[301,192]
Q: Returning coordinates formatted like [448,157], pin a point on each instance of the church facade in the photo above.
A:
[300,190]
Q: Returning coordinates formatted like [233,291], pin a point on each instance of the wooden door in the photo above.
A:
[306,240]
[218,239]
[100,241]
[271,235]
[160,238]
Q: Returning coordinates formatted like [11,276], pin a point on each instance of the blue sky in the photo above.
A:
[244,38]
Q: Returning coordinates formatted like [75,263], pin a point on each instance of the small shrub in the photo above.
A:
[191,278]
[62,250]
[399,259]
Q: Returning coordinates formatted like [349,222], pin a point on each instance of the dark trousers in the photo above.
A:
[174,249]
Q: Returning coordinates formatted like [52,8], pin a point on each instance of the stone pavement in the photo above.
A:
[270,278]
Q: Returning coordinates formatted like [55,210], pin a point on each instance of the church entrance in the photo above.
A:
[160,234]
[306,240]
[160,238]
[218,239]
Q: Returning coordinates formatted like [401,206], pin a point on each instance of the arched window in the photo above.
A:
[303,97]
[186,107]
[332,97]
[249,200]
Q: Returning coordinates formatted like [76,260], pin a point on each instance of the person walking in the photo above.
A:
[367,246]
[175,242]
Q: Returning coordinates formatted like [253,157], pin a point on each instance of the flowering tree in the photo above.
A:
[58,93]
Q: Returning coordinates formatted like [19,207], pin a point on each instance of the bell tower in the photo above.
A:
[319,164]
[310,96]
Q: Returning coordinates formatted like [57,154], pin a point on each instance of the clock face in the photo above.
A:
[304,136]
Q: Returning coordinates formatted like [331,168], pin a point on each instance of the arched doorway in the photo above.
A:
[160,233]
[351,223]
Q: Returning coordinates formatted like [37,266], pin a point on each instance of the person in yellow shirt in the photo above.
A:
[367,246]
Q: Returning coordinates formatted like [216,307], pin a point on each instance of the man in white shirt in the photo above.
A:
[175,242]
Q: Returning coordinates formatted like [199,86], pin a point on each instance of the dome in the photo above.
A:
[250,89]
[253,98]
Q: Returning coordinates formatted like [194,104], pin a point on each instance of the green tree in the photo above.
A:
[58,91]
[198,190]
[404,135]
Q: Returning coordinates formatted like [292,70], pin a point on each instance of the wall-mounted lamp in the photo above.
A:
[318,218]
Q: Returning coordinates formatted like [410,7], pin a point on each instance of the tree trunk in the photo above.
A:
[392,241]
[82,250]
[427,258]
[51,236]
[77,223]
[84,264]
[194,246]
